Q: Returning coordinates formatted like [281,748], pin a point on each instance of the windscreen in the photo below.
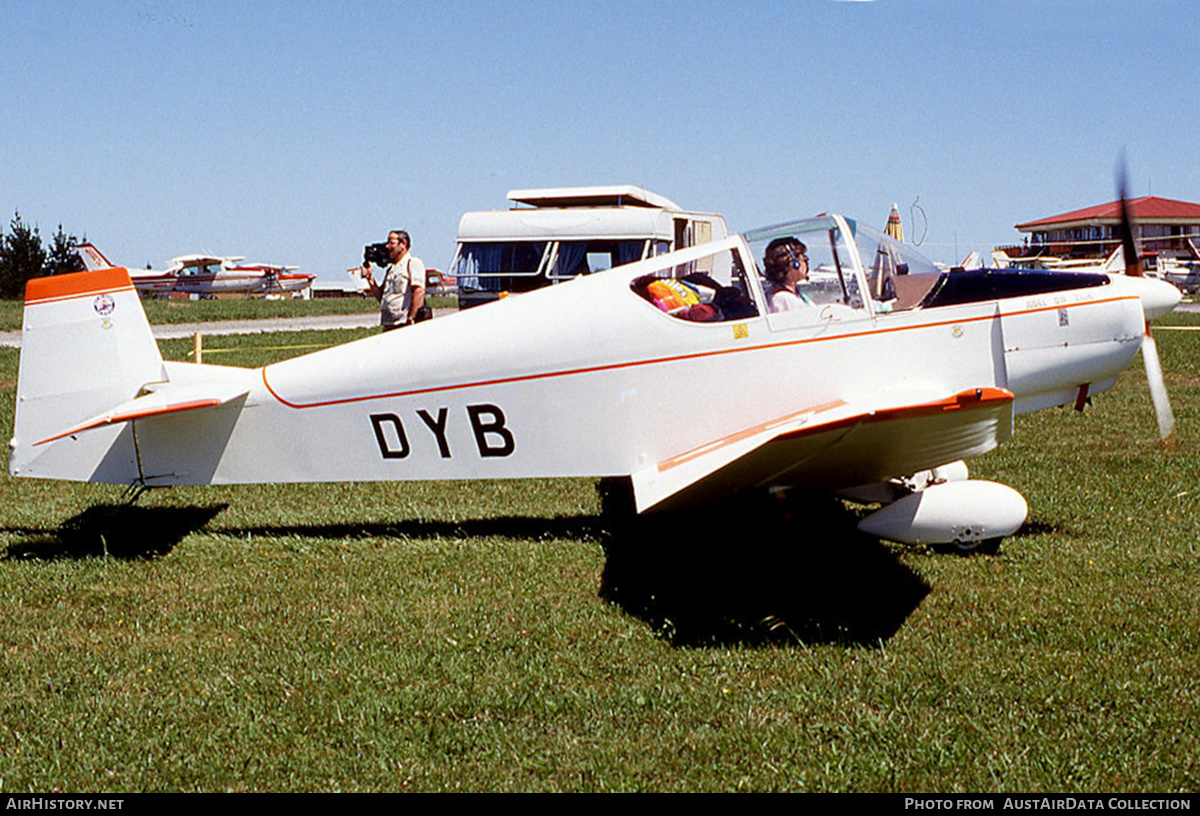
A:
[897,275]
[893,267]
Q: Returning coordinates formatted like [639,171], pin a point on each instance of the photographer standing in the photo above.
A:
[402,292]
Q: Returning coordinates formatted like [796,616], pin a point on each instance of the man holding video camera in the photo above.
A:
[402,293]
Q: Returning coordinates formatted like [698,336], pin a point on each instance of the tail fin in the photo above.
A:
[1114,264]
[86,346]
[93,259]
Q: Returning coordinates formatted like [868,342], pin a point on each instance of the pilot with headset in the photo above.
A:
[785,264]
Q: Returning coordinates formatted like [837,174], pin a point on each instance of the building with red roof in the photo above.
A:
[1162,225]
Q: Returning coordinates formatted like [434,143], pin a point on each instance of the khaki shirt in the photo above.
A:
[398,283]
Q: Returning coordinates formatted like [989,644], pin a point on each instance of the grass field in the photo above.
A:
[507,636]
[195,311]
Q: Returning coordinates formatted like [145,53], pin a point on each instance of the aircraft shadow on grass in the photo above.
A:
[114,530]
[751,572]
[755,571]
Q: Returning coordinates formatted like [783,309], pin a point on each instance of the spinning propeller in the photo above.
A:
[1133,268]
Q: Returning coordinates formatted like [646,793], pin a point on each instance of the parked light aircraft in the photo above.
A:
[1113,263]
[206,275]
[671,372]
[1182,273]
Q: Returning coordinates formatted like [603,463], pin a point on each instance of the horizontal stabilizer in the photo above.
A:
[838,444]
[168,400]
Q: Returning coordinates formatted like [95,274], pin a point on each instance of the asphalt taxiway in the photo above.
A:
[175,331]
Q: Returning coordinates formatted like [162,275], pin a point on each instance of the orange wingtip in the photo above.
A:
[76,284]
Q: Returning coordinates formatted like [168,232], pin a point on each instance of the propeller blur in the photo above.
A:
[1163,414]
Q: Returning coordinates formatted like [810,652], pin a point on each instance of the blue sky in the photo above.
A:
[297,132]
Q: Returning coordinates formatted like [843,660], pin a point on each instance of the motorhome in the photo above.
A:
[552,235]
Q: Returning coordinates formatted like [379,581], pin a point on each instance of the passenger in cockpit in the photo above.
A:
[785,264]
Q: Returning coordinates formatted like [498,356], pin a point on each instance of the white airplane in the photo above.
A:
[1182,272]
[206,275]
[670,373]
[1113,263]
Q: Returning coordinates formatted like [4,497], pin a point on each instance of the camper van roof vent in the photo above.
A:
[614,195]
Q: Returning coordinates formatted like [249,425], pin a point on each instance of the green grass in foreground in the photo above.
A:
[504,636]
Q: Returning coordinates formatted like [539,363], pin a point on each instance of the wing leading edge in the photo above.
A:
[833,445]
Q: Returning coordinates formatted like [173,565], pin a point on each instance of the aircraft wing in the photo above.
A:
[833,445]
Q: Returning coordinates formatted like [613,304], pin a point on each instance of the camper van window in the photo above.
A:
[480,265]
[585,257]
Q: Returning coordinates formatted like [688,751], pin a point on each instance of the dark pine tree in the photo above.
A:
[21,258]
[62,256]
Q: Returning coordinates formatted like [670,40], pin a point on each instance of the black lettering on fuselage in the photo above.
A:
[493,427]
[438,426]
[386,449]
[492,436]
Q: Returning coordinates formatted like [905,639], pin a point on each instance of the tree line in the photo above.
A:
[23,257]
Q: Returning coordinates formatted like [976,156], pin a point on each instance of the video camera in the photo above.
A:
[376,254]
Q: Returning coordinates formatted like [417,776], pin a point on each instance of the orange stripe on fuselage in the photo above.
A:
[720,352]
[76,284]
